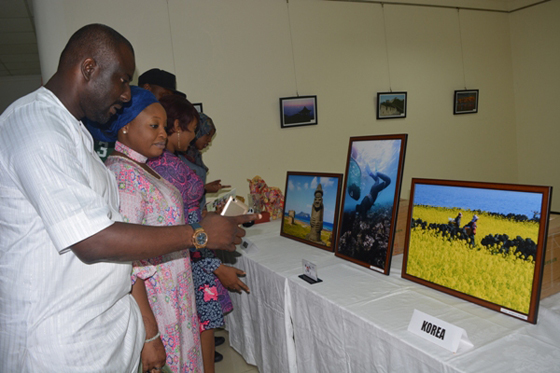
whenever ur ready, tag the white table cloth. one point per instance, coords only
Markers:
(356, 319)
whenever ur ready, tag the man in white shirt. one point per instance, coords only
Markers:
(64, 254)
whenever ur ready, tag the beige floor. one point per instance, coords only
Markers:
(233, 362)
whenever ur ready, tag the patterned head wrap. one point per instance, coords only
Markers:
(205, 126)
(140, 99)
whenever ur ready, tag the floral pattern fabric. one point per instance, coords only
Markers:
(148, 200)
(212, 299)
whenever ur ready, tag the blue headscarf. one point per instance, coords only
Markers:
(140, 99)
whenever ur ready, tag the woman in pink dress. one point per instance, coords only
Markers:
(163, 286)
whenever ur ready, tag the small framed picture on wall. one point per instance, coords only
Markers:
(391, 105)
(298, 111)
(465, 102)
(198, 107)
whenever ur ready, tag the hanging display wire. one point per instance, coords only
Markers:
(292, 45)
(386, 47)
(462, 53)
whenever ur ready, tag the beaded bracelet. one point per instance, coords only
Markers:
(153, 338)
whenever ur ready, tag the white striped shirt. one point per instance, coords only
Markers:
(57, 313)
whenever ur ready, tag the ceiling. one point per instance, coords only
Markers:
(18, 42)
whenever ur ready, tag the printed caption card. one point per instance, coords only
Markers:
(437, 331)
(248, 246)
(309, 272)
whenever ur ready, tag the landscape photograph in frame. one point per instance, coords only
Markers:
(482, 242)
(466, 101)
(391, 105)
(370, 200)
(298, 111)
(311, 204)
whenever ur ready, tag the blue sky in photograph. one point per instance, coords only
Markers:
(294, 106)
(489, 200)
(389, 97)
(301, 193)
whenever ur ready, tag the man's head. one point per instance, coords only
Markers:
(160, 83)
(100, 61)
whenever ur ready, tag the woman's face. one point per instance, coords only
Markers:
(181, 139)
(204, 141)
(146, 133)
(191, 132)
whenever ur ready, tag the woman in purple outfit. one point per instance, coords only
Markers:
(211, 278)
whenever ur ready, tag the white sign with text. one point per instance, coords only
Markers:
(442, 333)
(309, 269)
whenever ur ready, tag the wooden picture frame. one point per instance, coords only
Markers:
(498, 263)
(370, 200)
(465, 101)
(311, 204)
(298, 111)
(391, 105)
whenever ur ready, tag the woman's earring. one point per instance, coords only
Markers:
(179, 140)
(124, 132)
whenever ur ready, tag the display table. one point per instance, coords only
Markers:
(356, 319)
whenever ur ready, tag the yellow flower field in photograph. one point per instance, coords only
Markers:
(503, 279)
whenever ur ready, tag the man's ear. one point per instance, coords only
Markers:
(88, 68)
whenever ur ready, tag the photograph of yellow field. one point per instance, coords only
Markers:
(476, 241)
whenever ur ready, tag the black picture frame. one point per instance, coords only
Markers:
(370, 202)
(198, 107)
(298, 111)
(299, 198)
(391, 105)
(498, 264)
(465, 101)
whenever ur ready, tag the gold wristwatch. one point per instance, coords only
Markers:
(200, 238)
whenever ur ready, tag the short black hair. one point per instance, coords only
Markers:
(95, 40)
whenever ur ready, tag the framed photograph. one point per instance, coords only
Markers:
(371, 200)
(298, 111)
(466, 102)
(391, 105)
(198, 107)
(481, 242)
(311, 206)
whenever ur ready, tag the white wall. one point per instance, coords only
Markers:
(238, 57)
(13, 87)
(535, 39)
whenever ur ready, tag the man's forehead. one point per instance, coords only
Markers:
(125, 60)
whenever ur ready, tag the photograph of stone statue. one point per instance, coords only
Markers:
(391, 105)
(311, 208)
(370, 200)
(482, 242)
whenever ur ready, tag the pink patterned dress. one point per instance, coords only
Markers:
(148, 200)
(212, 299)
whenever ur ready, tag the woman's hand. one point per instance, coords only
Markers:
(229, 277)
(215, 186)
(153, 356)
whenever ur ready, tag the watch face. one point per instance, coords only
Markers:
(201, 238)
